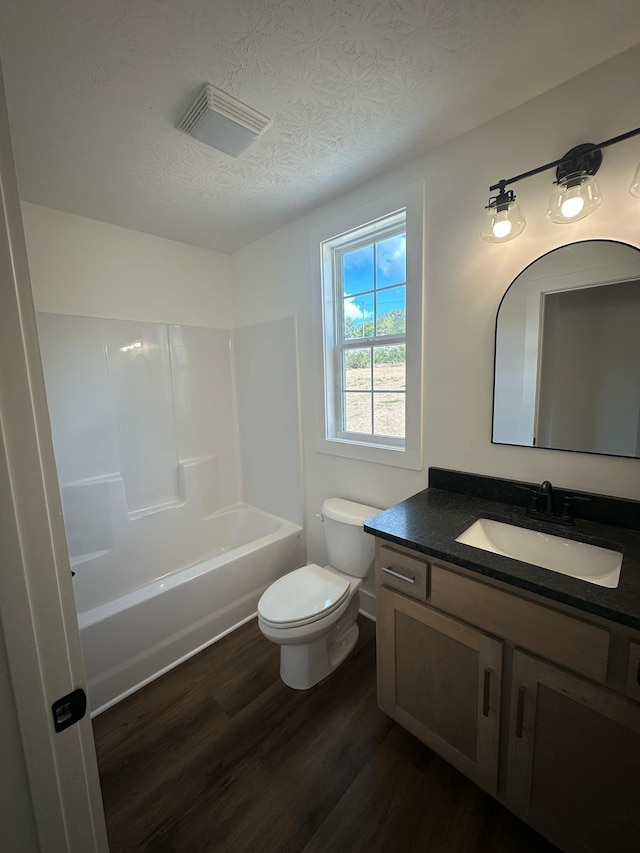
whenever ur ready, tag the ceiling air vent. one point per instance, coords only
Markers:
(223, 122)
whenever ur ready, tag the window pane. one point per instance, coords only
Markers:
(357, 412)
(358, 317)
(357, 270)
(388, 414)
(389, 368)
(357, 369)
(391, 261)
(391, 311)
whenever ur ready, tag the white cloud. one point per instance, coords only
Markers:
(352, 311)
(392, 261)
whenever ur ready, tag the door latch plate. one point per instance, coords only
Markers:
(69, 709)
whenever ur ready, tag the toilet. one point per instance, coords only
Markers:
(311, 612)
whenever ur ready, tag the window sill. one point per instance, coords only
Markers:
(395, 456)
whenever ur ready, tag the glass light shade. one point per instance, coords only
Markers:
(634, 189)
(502, 223)
(573, 198)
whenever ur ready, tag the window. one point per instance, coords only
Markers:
(367, 349)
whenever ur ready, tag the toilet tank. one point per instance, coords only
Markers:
(350, 549)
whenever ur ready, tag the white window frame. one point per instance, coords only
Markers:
(363, 229)
(333, 252)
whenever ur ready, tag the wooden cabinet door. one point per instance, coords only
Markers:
(441, 680)
(574, 759)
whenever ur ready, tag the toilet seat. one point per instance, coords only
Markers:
(302, 597)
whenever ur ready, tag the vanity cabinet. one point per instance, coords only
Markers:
(441, 680)
(574, 758)
(536, 703)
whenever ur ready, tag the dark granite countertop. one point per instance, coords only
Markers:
(430, 521)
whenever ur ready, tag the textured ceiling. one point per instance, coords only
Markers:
(96, 87)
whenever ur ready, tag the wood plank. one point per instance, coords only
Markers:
(409, 799)
(218, 755)
(570, 642)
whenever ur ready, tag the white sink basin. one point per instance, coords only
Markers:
(565, 556)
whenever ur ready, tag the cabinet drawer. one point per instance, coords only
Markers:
(555, 636)
(402, 572)
(633, 672)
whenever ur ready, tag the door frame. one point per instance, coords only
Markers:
(37, 609)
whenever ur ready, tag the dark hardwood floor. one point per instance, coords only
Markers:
(218, 755)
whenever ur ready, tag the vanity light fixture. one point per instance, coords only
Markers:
(504, 219)
(576, 193)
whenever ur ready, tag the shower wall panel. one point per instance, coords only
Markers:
(145, 437)
(266, 368)
(139, 364)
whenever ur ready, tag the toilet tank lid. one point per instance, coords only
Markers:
(348, 512)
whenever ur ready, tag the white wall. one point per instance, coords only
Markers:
(266, 379)
(81, 266)
(465, 280)
(275, 277)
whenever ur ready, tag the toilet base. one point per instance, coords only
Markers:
(303, 666)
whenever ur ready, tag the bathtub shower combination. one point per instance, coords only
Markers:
(166, 557)
(141, 634)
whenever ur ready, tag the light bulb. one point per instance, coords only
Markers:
(504, 219)
(574, 197)
(571, 207)
(501, 227)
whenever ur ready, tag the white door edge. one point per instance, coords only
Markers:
(37, 609)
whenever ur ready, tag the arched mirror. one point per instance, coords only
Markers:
(567, 363)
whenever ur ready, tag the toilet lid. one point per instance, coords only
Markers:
(303, 595)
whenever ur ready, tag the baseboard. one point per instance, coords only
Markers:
(172, 665)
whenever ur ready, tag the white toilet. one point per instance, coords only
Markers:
(311, 612)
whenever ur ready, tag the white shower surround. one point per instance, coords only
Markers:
(145, 436)
(137, 637)
(166, 556)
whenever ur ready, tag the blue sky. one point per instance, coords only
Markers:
(358, 276)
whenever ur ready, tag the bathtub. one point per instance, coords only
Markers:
(138, 636)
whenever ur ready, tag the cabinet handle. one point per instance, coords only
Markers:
(400, 577)
(522, 695)
(638, 674)
(486, 694)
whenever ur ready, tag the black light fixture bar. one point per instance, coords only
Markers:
(587, 149)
